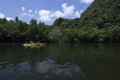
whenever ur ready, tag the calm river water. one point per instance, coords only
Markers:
(60, 62)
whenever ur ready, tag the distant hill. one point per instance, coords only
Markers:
(100, 22)
(101, 13)
(65, 23)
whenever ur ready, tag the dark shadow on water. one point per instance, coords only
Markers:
(86, 61)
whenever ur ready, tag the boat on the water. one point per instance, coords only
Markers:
(34, 45)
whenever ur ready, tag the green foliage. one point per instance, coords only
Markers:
(114, 33)
(88, 34)
(101, 14)
(19, 31)
(66, 23)
(99, 23)
(69, 35)
(55, 34)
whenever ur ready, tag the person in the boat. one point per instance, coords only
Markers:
(31, 42)
(39, 42)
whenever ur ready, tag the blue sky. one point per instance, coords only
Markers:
(42, 10)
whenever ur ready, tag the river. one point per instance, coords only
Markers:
(85, 61)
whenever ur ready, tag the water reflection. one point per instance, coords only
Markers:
(51, 67)
(47, 69)
(60, 62)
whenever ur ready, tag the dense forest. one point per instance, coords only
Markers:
(100, 22)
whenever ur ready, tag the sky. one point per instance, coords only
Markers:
(42, 10)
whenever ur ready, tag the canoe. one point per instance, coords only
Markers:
(34, 45)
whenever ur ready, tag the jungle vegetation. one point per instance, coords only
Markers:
(100, 22)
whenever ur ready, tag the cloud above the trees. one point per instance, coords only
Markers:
(2, 15)
(48, 16)
(86, 1)
(66, 12)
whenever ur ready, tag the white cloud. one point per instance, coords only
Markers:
(67, 12)
(2, 15)
(9, 18)
(86, 1)
(56, 14)
(77, 13)
(27, 13)
(36, 12)
(23, 8)
(23, 14)
(48, 16)
(30, 11)
(44, 15)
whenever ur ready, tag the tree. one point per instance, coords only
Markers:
(16, 20)
(55, 34)
(33, 22)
